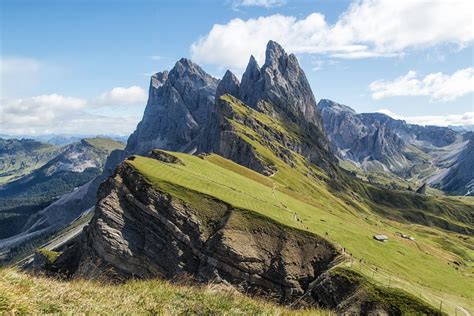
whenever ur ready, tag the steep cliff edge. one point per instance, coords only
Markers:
(156, 217)
(144, 231)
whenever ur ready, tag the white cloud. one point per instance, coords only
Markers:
(54, 113)
(259, 3)
(438, 120)
(43, 109)
(368, 28)
(437, 86)
(133, 95)
(156, 57)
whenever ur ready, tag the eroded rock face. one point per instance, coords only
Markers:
(177, 110)
(138, 231)
(280, 81)
(228, 85)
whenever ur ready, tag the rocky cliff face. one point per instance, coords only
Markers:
(281, 82)
(140, 231)
(177, 110)
(279, 90)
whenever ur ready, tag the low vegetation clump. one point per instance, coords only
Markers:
(49, 255)
(26, 294)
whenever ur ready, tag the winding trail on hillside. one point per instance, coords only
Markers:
(462, 309)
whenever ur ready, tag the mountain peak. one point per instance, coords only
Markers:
(334, 106)
(274, 53)
(252, 65)
(249, 87)
(159, 79)
(229, 84)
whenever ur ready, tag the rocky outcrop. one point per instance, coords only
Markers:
(177, 110)
(351, 294)
(223, 138)
(140, 231)
(281, 82)
(228, 85)
(422, 189)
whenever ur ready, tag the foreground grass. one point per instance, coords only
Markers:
(26, 294)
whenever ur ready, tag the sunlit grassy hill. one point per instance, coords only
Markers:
(435, 266)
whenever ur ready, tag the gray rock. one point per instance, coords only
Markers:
(422, 189)
(228, 85)
(282, 82)
(460, 176)
(177, 110)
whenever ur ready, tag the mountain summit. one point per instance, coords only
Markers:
(280, 81)
(177, 109)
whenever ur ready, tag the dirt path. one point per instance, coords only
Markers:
(462, 309)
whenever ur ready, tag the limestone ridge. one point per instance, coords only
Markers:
(280, 90)
(460, 177)
(280, 81)
(177, 110)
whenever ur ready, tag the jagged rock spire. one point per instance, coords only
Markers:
(229, 84)
(159, 79)
(177, 110)
(251, 85)
(280, 81)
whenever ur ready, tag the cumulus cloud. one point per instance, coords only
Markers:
(54, 113)
(259, 3)
(368, 28)
(438, 120)
(437, 86)
(40, 109)
(133, 95)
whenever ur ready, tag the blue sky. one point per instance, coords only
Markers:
(78, 66)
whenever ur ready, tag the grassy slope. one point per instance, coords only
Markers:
(104, 144)
(26, 294)
(424, 267)
(420, 267)
(21, 157)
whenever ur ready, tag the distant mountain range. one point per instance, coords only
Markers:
(62, 139)
(43, 173)
(439, 156)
